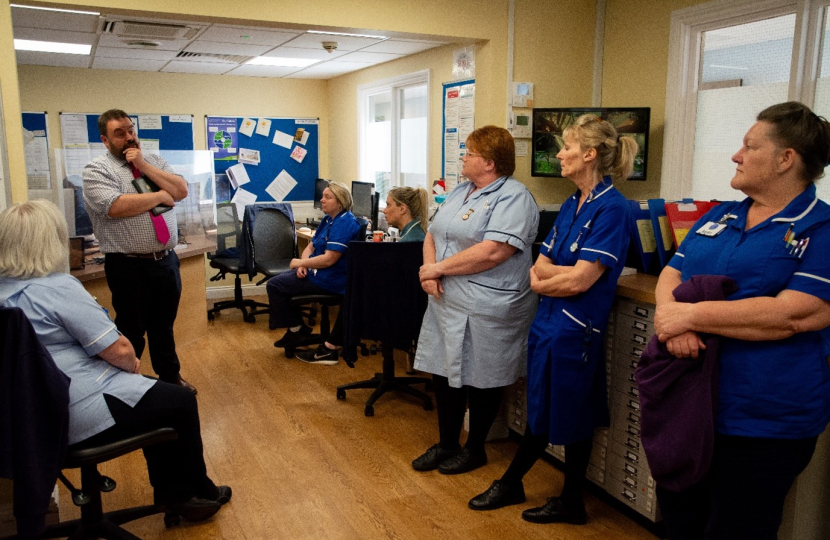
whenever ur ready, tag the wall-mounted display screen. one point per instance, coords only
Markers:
(548, 125)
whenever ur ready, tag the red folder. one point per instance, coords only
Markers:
(683, 215)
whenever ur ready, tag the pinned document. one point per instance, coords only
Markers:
(281, 186)
(246, 155)
(298, 154)
(237, 175)
(283, 139)
(241, 199)
(247, 127)
(263, 127)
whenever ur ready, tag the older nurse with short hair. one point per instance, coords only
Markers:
(477, 261)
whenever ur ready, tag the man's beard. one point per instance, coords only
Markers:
(124, 148)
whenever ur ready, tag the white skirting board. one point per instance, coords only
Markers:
(226, 293)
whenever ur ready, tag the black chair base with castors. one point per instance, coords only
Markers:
(94, 523)
(386, 382)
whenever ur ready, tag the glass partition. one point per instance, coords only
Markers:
(195, 214)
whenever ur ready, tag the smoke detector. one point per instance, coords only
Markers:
(330, 46)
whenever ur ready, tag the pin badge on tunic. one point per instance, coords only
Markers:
(466, 216)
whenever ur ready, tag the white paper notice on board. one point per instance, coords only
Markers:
(150, 146)
(241, 199)
(281, 186)
(304, 138)
(263, 127)
(148, 121)
(249, 156)
(247, 127)
(283, 139)
(238, 175)
(181, 118)
(521, 148)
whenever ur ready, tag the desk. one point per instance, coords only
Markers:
(302, 241)
(191, 322)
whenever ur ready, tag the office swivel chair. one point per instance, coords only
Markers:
(384, 302)
(226, 260)
(324, 300)
(30, 374)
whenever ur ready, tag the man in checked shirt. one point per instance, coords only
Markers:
(141, 266)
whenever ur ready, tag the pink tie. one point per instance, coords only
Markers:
(162, 233)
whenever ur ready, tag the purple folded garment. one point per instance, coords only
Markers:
(678, 397)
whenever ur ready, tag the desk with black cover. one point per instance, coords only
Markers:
(384, 302)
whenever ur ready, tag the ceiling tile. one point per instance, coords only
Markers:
(371, 58)
(315, 54)
(262, 71)
(214, 47)
(53, 59)
(59, 36)
(344, 43)
(324, 70)
(246, 35)
(54, 20)
(179, 66)
(111, 40)
(400, 47)
(134, 52)
(128, 64)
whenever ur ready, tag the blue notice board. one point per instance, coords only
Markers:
(225, 140)
(175, 133)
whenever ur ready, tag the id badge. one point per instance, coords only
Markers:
(711, 229)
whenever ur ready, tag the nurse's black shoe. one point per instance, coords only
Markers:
(499, 495)
(291, 339)
(555, 511)
(464, 461)
(432, 458)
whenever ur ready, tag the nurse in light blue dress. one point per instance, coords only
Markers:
(576, 275)
(477, 259)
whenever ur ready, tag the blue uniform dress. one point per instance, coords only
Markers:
(771, 389)
(476, 333)
(333, 234)
(566, 363)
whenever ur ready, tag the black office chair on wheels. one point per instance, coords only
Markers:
(227, 260)
(384, 302)
(34, 423)
(308, 303)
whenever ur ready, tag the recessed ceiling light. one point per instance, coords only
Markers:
(280, 62)
(345, 34)
(56, 9)
(51, 46)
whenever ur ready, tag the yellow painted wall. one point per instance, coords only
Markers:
(635, 68)
(554, 49)
(11, 108)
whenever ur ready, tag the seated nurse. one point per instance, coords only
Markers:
(406, 210)
(108, 399)
(321, 269)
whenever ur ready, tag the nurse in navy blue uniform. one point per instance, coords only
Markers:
(774, 385)
(321, 268)
(576, 275)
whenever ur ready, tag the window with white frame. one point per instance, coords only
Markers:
(727, 62)
(393, 119)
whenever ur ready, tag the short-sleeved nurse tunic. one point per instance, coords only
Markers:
(772, 389)
(566, 362)
(476, 333)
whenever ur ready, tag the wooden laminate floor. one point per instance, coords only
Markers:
(304, 465)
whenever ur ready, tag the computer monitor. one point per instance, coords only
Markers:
(364, 201)
(319, 186)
